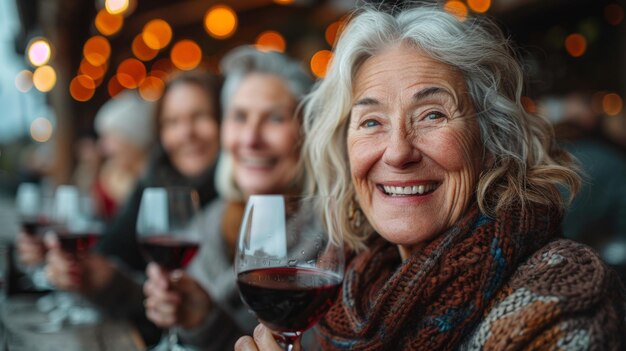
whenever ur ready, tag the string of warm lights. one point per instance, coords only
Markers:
(220, 22)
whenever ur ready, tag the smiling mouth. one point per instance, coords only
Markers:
(411, 190)
(264, 162)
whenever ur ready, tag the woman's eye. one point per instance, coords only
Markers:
(434, 115)
(276, 118)
(370, 123)
(169, 121)
(239, 116)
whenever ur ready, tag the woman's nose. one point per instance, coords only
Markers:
(401, 151)
(251, 134)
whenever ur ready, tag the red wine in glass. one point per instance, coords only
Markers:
(169, 252)
(288, 300)
(77, 242)
(35, 225)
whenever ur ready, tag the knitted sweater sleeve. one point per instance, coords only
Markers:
(563, 298)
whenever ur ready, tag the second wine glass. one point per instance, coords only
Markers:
(289, 262)
(166, 237)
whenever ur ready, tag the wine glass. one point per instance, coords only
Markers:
(34, 211)
(167, 238)
(77, 233)
(289, 262)
(30, 208)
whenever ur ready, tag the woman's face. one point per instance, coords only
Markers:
(413, 145)
(189, 132)
(261, 134)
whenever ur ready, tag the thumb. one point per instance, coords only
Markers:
(51, 240)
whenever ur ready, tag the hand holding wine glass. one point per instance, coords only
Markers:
(175, 299)
(289, 262)
(33, 218)
(166, 238)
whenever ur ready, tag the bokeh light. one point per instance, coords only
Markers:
(44, 78)
(151, 88)
(612, 104)
(107, 23)
(41, 129)
(333, 31)
(320, 61)
(157, 34)
(39, 52)
(456, 8)
(114, 87)
(116, 6)
(270, 41)
(284, 2)
(82, 88)
(479, 6)
(576, 45)
(24, 81)
(131, 73)
(186, 55)
(141, 50)
(94, 72)
(97, 50)
(220, 21)
(614, 14)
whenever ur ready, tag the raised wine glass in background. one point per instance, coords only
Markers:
(166, 237)
(34, 211)
(31, 208)
(77, 232)
(289, 262)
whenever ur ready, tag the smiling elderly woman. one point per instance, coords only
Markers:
(451, 191)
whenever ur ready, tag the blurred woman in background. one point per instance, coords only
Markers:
(261, 138)
(125, 127)
(187, 119)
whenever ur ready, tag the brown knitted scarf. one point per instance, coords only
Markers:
(438, 295)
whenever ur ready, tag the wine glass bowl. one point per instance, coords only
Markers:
(289, 262)
(31, 209)
(166, 236)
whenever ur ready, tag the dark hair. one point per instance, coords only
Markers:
(206, 81)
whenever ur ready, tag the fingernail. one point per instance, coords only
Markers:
(258, 331)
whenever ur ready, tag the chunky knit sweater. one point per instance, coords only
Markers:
(503, 284)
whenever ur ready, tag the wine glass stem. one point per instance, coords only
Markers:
(172, 336)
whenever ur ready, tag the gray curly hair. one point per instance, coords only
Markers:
(525, 165)
(236, 66)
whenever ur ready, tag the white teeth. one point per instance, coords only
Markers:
(420, 189)
(409, 190)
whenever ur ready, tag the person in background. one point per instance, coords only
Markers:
(261, 135)
(187, 123)
(125, 125)
(451, 197)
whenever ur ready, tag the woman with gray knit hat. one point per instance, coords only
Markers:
(261, 135)
(125, 126)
